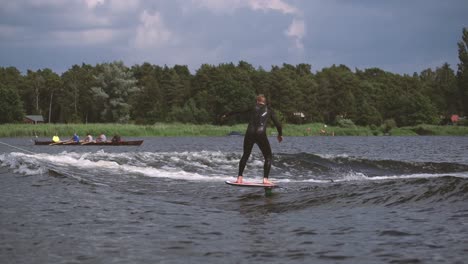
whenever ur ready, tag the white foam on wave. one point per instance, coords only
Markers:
(171, 173)
(420, 176)
(18, 166)
(333, 156)
(299, 181)
(37, 163)
(25, 170)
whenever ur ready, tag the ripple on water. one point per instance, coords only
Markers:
(395, 233)
(331, 255)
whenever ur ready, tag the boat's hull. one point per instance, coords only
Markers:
(108, 143)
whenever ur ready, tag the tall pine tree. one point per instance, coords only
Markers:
(462, 73)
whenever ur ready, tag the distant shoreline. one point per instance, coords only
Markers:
(178, 129)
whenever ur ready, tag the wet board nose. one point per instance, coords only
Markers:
(252, 184)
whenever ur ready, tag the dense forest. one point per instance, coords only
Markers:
(146, 93)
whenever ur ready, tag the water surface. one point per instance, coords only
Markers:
(343, 200)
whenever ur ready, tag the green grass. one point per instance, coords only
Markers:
(315, 129)
(435, 130)
(178, 129)
(159, 129)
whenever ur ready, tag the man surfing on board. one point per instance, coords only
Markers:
(256, 134)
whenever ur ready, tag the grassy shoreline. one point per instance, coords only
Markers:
(177, 129)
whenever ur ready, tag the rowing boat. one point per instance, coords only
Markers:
(107, 143)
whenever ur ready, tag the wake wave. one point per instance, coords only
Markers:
(220, 166)
(310, 180)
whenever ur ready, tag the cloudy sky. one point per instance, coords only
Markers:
(401, 36)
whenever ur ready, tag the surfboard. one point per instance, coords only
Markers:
(252, 184)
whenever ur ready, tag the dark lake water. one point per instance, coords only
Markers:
(342, 200)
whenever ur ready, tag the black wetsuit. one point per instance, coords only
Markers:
(256, 134)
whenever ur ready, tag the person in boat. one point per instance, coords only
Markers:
(55, 138)
(256, 134)
(101, 138)
(116, 139)
(75, 138)
(88, 138)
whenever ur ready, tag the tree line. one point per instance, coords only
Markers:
(147, 93)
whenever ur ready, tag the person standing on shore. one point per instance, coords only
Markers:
(256, 134)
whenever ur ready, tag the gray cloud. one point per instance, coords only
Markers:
(399, 36)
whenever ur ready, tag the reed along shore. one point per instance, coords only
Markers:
(179, 130)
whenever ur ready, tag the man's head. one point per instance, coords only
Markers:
(261, 99)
